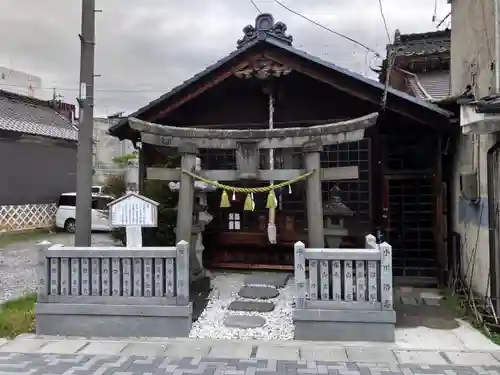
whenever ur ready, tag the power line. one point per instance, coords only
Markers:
(327, 28)
(443, 20)
(255, 6)
(381, 8)
(76, 89)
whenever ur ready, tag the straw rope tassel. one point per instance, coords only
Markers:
(249, 203)
(224, 200)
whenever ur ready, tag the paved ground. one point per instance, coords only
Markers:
(45, 364)
(370, 353)
(18, 263)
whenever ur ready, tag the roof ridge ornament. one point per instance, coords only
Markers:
(265, 27)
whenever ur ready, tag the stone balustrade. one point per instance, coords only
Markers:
(110, 291)
(347, 294)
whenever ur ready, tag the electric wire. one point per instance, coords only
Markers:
(255, 6)
(326, 28)
(151, 90)
(381, 9)
(76, 89)
(443, 20)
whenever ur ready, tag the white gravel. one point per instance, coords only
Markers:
(18, 264)
(210, 325)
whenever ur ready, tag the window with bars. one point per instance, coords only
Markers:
(218, 159)
(355, 194)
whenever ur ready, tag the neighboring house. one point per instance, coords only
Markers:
(106, 149)
(475, 72)
(37, 161)
(19, 82)
(422, 64)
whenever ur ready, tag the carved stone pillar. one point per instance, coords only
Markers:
(314, 203)
(185, 207)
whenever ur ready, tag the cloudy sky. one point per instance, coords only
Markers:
(146, 47)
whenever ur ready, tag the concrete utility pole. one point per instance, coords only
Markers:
(85, 133)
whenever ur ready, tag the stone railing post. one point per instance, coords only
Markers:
(42, 269)
(300, 274)
(314, 202)
(370, 241)
(386, 276)
(182, 271)
(185, 207)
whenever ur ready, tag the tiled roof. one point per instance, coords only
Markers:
(423, 44)
(430, 85)
(367, 81)
(23, 114)
(488, 104)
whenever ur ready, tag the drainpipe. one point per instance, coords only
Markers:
(493, 223)
(497, 46)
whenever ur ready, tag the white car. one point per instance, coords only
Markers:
(97, 189)
(66, 212)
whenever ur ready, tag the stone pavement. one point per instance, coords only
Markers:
(60, 364)
(36, 354)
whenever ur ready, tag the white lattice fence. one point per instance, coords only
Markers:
(27, 216)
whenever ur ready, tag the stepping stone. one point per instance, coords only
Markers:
(258, 292)
(278, 280)
(260, 307)
(432, 301)
(431, 298)
(409, 301)
(244, 321)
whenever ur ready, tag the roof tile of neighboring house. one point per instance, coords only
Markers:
(23, 114)
(426, 80)
(430, 85)
(423, 44)
(488, 104)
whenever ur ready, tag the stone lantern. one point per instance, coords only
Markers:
(201, 217)
(334, 213)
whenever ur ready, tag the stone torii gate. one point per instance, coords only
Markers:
(247, 144)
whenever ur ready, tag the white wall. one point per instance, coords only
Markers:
(106, 148)
(472, 53)
(20, 82)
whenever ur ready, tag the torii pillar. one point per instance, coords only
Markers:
(314, 202)
(185, 207)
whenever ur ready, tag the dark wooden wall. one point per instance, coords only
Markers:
(35, 171)
(299, 100)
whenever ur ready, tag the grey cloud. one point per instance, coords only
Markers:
(146, 47)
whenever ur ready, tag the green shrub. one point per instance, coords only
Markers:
(115, 185)
(164, 234)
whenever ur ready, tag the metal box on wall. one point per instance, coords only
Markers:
(468, 185)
